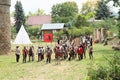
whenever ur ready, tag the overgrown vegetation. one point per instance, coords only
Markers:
(75, 32)
(118, 26)
(110, 24)
(108, 72)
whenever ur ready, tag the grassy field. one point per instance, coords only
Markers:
(67, 70)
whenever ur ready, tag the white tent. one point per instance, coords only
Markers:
(22, 37)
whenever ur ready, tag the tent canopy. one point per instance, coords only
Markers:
(22, 37)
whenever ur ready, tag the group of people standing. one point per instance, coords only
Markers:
(31, 53)
(61, 51)
(25, 52)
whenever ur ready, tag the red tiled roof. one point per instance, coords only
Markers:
(39, 20)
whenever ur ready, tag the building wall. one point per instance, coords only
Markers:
(47, 32)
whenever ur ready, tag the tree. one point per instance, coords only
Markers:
(40, 12)
(69, 9)
(30, 14)
(116, 2)
(56, 10)
(88, 8)
(37, 13)
(80, 21)
(102, 11)
(19, 16)
(64, 12)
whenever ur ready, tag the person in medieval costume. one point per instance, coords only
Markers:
(91, 52)
(48, 54)
(57, 54)
(42, 55)
(72, 53)
(80, 52)
(24, 53)
(91, 40)
(31, 53)
(17, 53)
(39, 52)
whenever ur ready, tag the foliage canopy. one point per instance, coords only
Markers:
(64, 12)
(102, 11)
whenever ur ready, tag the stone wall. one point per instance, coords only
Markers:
(5, 32)
(100, 34)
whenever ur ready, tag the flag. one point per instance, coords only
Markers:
(48, 37)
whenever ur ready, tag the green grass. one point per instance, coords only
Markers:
(67, 70)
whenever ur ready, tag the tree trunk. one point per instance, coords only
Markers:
(5, 32)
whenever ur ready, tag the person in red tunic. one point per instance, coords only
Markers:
(80, 52)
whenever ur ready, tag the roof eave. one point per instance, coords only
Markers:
(51, 29)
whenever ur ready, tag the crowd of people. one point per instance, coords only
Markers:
(61, 51)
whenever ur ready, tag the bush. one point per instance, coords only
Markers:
(118, 25)
(34, 32)
(59, 34)
(114, 71)
(75, 32)
(80, 32)
(99, 74)
(108, 73)
(109, 24)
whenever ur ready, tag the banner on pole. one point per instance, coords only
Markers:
(48, 37)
